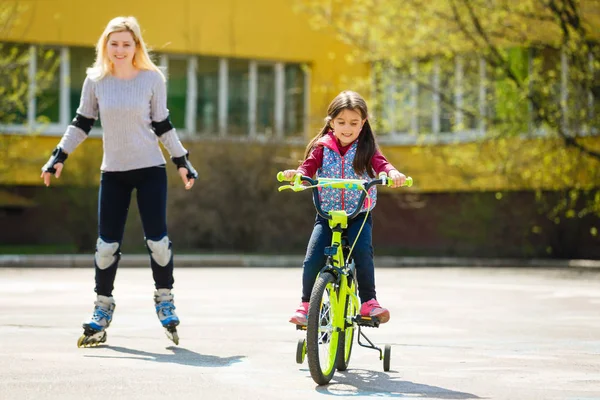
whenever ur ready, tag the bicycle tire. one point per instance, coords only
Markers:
(315, 335)
(346, 340)
(300, 351)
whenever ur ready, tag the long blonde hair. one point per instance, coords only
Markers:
(141, 59)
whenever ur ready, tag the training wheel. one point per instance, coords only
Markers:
(300, 351)
(387, 354)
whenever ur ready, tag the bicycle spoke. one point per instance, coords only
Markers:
(325, 330)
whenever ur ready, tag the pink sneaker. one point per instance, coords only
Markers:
(372, 309)
(300, 315)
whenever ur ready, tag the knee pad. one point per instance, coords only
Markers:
(160, 250)
(106, 253)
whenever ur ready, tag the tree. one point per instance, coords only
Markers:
(18, 89)
(522, 77)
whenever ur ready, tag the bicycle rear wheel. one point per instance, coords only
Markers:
(346, 339)
(321, 340)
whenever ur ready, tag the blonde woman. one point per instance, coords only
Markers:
(128, 90)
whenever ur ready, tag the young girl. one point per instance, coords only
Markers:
(128, 90)
(345, 148)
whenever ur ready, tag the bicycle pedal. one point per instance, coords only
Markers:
(369, 322)
(300, 327)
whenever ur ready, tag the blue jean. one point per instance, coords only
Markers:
(113, 206)
(362, 254)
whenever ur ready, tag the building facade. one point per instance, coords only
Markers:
(248, 73)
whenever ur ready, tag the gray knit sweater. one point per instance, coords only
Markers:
(127, 108)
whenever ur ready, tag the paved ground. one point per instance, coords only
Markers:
(455, 334)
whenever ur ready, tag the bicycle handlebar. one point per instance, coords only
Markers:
(356, 184)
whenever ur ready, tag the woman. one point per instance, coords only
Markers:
(128, 90)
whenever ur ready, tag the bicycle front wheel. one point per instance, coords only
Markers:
(321, 338)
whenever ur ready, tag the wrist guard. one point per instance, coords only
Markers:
(58, 156)
(183, 162)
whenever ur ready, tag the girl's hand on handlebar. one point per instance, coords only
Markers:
(289, 174)
(397, 177)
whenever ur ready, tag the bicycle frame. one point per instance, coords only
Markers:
(336, 264)
(338, 221)
(338, 276)
(345, 281)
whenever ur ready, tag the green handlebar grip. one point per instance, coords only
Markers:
(407, 183)
(280, 176)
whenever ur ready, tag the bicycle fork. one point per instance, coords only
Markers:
(346, 284)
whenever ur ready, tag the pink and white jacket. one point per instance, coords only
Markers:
(329, 160)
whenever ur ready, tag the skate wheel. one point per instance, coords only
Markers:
(172, 335)
(92, 340)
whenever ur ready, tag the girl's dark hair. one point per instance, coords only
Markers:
(349, 100)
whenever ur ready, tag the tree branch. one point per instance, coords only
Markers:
(500, 61)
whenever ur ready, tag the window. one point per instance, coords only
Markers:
(30, 84)
(47, 83)
(294, 100)
(393, 100)
(265, 102)
(14, 83)
(488, 84)
(237, 98)
(401, 100)
(506, 108)
(580, 82)
(425, 98)
(446, 92)
(207, 117)
(81, 58)
(546, 84)
(177, 91)
(470, 92)
(380, 116)
(209, 95)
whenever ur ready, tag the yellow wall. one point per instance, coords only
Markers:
(447, 168)
(265, 28)
(509, 164)
(254, 29)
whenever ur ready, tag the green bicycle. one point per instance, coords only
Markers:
(333, 311)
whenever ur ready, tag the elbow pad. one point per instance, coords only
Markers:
(162, 127)
(183, 162)
(83, 123)
(58, 156)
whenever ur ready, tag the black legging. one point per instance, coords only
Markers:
(113, 205)
(362, 255)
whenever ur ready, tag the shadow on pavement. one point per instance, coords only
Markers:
(358, 382)
(180, 356)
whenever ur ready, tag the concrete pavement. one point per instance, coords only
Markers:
(456, 333)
